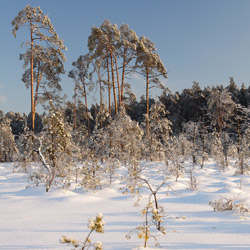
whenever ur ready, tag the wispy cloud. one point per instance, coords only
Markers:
(3, 98)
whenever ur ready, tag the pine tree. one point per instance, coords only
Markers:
(127, 50)
(159, 132)
(8, 149)
(57, 147)
(221, 107)
(102, 43)
(151, 67)
(125, 137)
(44, 54)
(79, 74)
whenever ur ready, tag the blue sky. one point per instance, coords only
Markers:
(198, 40)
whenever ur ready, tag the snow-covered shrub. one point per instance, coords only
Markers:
(157, 141)
(152, 213)
(193, 180)
(217, 150)
(229, 204)
(152, 217)
(177, 153)
(8, 149)
(56, 148)
(124, 137)
(95, 225)
(27, 144)
(91, 173)
(222, 204)
(110, 167)
(242, 163)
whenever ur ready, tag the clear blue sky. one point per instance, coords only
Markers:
(198, 40)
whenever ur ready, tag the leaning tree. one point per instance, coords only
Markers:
(44, 54)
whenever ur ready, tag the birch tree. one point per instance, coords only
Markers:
(44, 54)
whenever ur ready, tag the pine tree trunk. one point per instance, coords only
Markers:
(118, 82)
(109, 89)
(113, 81)
(123, 74)
(100, 86)
(86, 107)
(147, 101)
(75, 108)
(32, 79)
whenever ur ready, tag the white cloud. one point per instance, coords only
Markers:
(3, 98)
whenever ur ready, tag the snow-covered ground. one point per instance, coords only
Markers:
(30, 218)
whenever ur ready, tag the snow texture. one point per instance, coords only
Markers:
(30, 218)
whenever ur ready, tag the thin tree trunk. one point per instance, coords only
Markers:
(100, 85)
(113, 81)
(123, 74)
(118, 82)
(109, 91)
(193, 156)
(75, 108)
(203, 141)
(86, 107)
(146, 228)
(32, 79)
(147, 101)
(225, 149)
(239, 137)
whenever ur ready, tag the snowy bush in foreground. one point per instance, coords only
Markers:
(95, 224)
(152, 217)
(152, 213)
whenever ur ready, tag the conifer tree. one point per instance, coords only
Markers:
(159, 132)
(127, 45)
(221, 107)
(44, 53)
(151, 67)
(8, 149)
(79, 74)
(102, 42)
(125, 137)
(57, 147)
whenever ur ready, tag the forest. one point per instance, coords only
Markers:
(74, 143)
(196, 123)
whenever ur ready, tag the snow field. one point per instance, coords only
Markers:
(30, 218)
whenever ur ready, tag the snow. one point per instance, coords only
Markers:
(30, 218)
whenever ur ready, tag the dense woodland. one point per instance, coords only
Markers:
(196, 124)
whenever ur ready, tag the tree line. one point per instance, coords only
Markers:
(196, 123)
